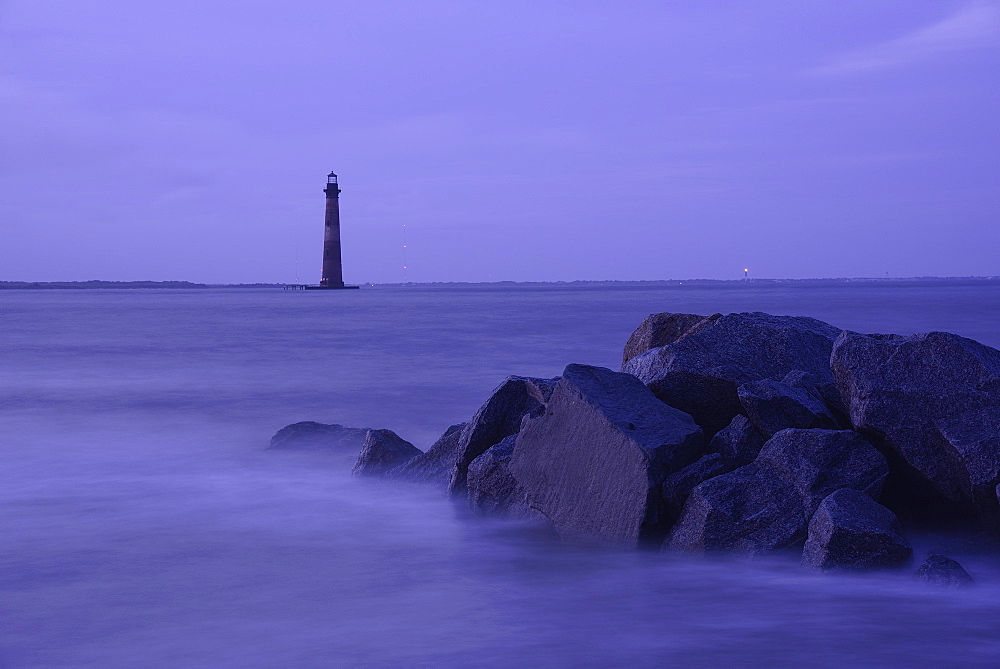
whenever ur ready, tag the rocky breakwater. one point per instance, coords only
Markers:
(741, 433)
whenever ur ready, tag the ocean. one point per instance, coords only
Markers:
(144, 524)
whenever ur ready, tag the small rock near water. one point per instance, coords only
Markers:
(941, 570)
(309, 435)
(436, 464)
(851, 531)
(382, 451)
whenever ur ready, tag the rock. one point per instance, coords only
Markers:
(308, 435)
(932, 400)
(739, 441)
(700, 372)
(662, 329)
(941, 570)
(493, 490)
(678, 486)
(767, 504)
(383, 450)
(499, 417)
(436, 464)
(594, 462)
(851, 531)
(773, 406)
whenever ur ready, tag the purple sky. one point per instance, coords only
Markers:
(516, 140)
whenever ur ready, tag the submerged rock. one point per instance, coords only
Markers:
(767, 504)
(934, 401)
(941, 570)
(500, 416)
(595, 461)
(852, 531)
(436, 464)
(700, 371)
(382, 451)
(309, 435)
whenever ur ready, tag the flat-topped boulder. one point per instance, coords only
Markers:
(851, 531)
(700, 371)
(934, 401)
(594, 462)
(312, 436)
(500, 416)
(383, 450)
(767, 504)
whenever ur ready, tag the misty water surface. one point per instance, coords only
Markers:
(143, 524)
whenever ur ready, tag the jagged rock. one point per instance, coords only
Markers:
(383, 450)
(436, 464)
(499, 417)
(739, 441)
(932, 400)
(852, 531)
(595, 461)
(767, 504)
(941, 570)
(493, 490)
(309, 435)
(700, 372)
(773, 406)
(662, 329)
(678, 486)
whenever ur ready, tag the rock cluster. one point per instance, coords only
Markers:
(740, 433)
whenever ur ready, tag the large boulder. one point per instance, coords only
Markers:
(942, 570)
(311, 436)
(700, 372)
(500, 416)
(851, 531)
(594, 462)
(382, 451)
(662, 329)
(932, 400)
(436, 464)
(493, 490)
(773, 406)
(739, 441)
(767, 504)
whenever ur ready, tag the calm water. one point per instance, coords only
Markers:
(143, 525)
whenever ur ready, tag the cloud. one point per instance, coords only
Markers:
(975, 25)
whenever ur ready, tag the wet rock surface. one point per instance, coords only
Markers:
(436, 464)
(382, 451)
(594, 462)
(309, 435)
(493, 490)
(851, 531)
(933, 400)
(767, 504)
(700, 372)
(942, 570)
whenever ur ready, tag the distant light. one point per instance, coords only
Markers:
(745, 270)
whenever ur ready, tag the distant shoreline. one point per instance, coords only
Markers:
(187, 285)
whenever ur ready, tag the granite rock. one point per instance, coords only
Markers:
(942, 570)
(382, 451)
(773, 406)
(851, 531)
(595, 461)
(312, 436)
(700, 372)
(739, 441)
(436, 464)
(662, 329)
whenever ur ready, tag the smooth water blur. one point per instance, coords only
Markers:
(143, 524)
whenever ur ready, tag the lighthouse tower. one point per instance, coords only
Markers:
(333, 272)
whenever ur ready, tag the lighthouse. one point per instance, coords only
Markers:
(333, 272)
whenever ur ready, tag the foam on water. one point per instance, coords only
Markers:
(143, 524)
